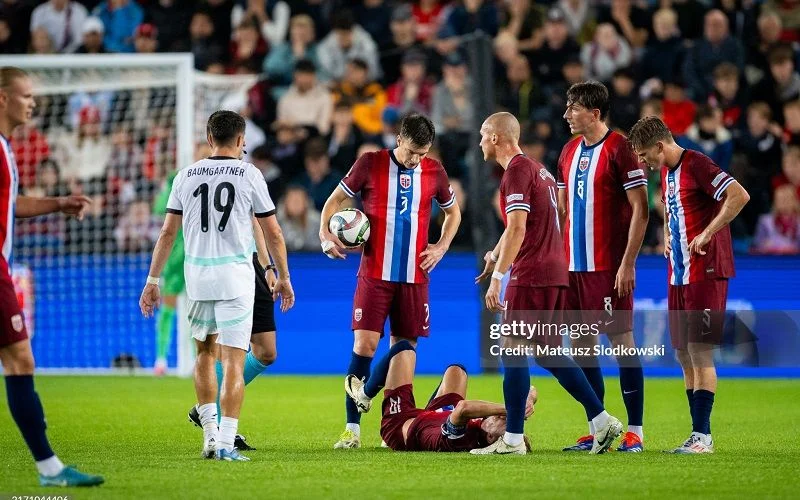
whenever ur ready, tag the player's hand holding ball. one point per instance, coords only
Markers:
(348, 228)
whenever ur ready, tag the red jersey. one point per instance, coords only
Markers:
(425, 434)
(8, 197)
(529, 187)
(691, 191)
(397, 202)
(598, 213)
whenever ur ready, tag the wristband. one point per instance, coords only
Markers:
(270, 267)
(153, 281)
(497, 275)
(494, 257)
(453, 431)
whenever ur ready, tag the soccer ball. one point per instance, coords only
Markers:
(351, 226)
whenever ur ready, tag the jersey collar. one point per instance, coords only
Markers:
(222, 158)
(673, 167)
(585, 147)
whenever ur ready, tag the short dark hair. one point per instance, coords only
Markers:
(359, 63)
(315, 148)
(418, 129)
(343, 20)
(305, 66)
(224, 126)
(780, 54)
(590, 95)
(648, 131)
(704, 111)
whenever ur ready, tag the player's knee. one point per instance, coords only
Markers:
(366, 345)
(267, 357)
(456, 369)
(622, 340)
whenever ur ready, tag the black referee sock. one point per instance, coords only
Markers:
(27, 411)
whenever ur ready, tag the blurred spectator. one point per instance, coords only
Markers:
(652, 107)
(403, 39)
(220, 12)
(556, 94)
(770, 26)
(606, 54)
(414, 91)
(663, 56)
(679, 111)
(124, 166)
(690, 17)
(390, 127)
(715, 47)
(85, 153)
(710, 137)
(728, 96)
(137, 229)
(41, 42)
(63, 21)
(318, 179)
(248, 48)
(271, 16)
(790, 13)
(171, 19)
(95, 233)
(654, 234)
(760, 158)
(522, 96)
(741, 17)
(280, 62)
(92, 37)
(524, 20)
(624, 101)
(454, 114)
(506, 49)
(630, 21)
(159, 150)
(15, 20)
(429, 15)
(778, 232)
(120, 18)
(791, 169)
(548, 61)
(344, 139)
(261, 157)
(307, 102)
(365, 97)
(346, 42)
(48, 181)
(466, 18)
(145, 39)
(30, 147)
(286, 152)
(299, 221)
(579, 17)
(782, 84)
(463, 238)
(375, 16)
(206, 49)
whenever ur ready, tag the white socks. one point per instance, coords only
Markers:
(227, 432)
(208, 419)
(600, 420)
(591, 427)
(512, 439)
(638, 430)
(354, 428)
(50, 467)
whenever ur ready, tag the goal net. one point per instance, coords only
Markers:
(113, 128)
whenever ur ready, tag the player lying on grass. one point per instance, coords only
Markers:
(449, 422)
(263, 350)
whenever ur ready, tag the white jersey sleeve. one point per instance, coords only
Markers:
(263, 206)
(174, 203)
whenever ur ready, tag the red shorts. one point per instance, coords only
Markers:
(593, 294)
(399, 407)
(13, 324)
(536, 305)
(405, 304)
(697, 312)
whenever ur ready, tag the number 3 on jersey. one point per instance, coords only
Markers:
(202, 191)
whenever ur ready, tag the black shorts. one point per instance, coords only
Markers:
(263, 306)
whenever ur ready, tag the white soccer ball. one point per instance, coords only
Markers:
(351, 226)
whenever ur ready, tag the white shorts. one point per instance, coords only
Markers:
(231, 319)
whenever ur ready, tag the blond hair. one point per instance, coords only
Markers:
(10, 73)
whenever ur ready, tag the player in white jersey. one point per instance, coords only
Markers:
(214, 200)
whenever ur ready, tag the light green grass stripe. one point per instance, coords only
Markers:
(217, 261)
(235, 321)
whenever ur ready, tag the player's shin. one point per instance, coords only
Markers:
(571, 378)
(631, 381)
(26, 410)
(516, 385)
(378, 377)
(359, 367)
(232, 395)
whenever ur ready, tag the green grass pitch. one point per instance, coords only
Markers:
(134, 431)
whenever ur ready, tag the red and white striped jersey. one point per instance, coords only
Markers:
(9, 181)
(397, 202)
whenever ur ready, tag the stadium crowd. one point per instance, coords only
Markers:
(335, 77)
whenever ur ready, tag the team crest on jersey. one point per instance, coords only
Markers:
(357, 314)
(16, 322)
(405, 181)
(583, 163)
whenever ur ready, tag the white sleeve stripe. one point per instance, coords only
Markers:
(561, 185)
(448, 204)
(723, 187)
(636, 183)
(349, 192)
(518, 206)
